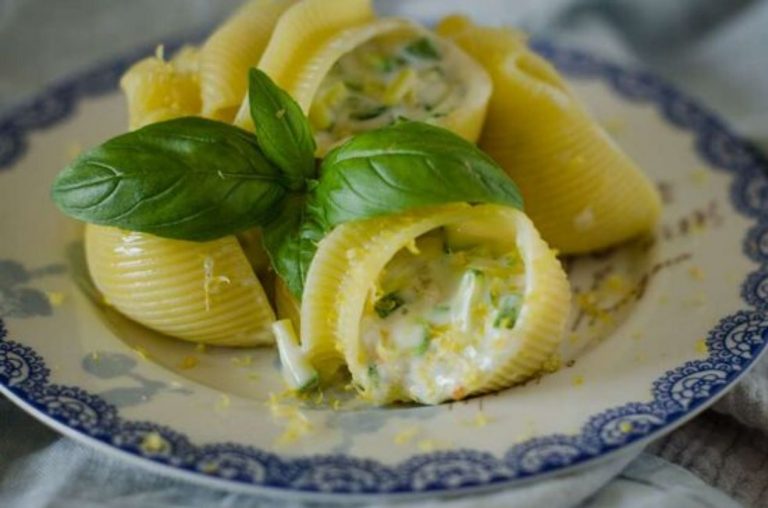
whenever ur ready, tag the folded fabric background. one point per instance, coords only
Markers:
(712, 49)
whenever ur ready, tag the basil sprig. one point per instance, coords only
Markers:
(291, 242)
(282, 130)
(198, 179)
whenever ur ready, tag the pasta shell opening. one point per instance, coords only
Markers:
(415, 320)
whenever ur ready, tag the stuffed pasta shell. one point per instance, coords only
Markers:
(352, 73)
(435, 304)
(582, 192)
(203, 292)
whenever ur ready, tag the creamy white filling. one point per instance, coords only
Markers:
(434, 322)
(385, 79)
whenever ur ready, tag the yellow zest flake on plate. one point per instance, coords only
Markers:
(701, 347)
(242, 361)
(697, 300)
(189, 362)
(696, 273)
(700, 176)
(480, 420)
(200, 347)
(55, 298)
(142, 352)
(427, 445)
(95, 356)
(74, 149)
(578, 380)
(405, 436)
(296, 424)
(616, 282)
(153, 442)
(626, 427)
(223, 403)
(589, 303)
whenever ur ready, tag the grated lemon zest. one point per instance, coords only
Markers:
(142, 353)
(153, 442)
(696, 273)
(55, 298)
(189, 362)
(405, 436)
(480, 420)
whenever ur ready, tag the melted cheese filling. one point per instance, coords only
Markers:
(431, 326)
(387, 78)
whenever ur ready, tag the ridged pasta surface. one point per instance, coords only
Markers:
(158, 90)
(301, 32)
(201, 292)
(582, 192)
(235, 47)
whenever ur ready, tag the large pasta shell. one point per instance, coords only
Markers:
(350, 259)
(303, 31)
(158, 90)
(582, 192)
(201, 292)
(298, 59)
(335, 262)
(230, 51)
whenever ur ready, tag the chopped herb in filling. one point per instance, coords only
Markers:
(380, 82)
(509, 310)
(387, 304)
(423, 48)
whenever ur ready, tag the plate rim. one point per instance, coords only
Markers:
(677, 396)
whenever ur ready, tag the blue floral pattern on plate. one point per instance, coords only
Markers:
(733, 345)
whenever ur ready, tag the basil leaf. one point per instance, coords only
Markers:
(282, 129)
(291, 242)
(403, 166)
(188, 178)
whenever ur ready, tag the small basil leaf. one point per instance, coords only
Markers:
(291, 242)
(282, 129)
(188, 178)
(403, 166)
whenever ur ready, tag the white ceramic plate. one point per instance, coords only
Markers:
(672, 322)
